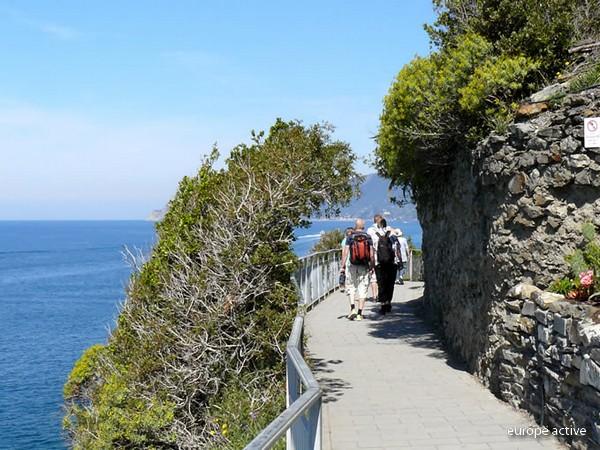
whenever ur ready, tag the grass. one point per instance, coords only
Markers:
(586, 80)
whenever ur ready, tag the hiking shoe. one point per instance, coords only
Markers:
(351, 316)
(382, 310)
(388, 307)
(359, 317)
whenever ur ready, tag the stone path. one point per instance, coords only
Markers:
(388, 384)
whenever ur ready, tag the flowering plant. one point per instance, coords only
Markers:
(584, 284)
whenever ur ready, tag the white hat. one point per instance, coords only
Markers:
(398, 232)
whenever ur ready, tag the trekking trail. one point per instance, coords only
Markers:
(388, 384)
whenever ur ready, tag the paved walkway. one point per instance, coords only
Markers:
(389, 385)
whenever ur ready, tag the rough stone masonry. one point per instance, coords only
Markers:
(510, 212)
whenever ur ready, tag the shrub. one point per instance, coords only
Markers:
(207, 317)
(329, 240)
(584, 266)
(586, 80)
(488, 55)
(441, 104)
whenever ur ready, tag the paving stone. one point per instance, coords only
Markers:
(388, 384)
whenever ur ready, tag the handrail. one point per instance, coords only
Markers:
(269, 436)
(301, 421)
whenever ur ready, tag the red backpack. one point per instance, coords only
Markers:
(360, 249)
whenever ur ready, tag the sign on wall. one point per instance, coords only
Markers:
(591, 132)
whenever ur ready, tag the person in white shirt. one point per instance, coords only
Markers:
(385, 250)
(403, 252)
(372, 231)
(358, 249)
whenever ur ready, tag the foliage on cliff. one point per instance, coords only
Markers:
(488, 54)
(197, 357)
(329, 240)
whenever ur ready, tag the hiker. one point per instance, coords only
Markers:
(359, 252)
(372, 230)
(342, 280)
(402, 257)
(385, 249)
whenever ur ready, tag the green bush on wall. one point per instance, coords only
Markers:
(488, 54)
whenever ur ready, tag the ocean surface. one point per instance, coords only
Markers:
(61, 283)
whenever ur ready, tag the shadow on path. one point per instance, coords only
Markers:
(333, 388)
(405, 323)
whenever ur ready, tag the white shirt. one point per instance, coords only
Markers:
(403, 243)
(374, 231)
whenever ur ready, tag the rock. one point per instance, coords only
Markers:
(590, 334)
(532, 109)
(542, 316)
(549, 92)
(520, 130)
(528, 308)
(561, 176)
(553, 133)
(554, 222)
(523, 291)
(578, 161)
(589, 373)
(496, 139)
(543, 334)
(545, 299)
(570, 145)
(595, 355)
(541, 200)
(533, 212)
(527, 224)
(537, 143)
(557, 210)
(583, 178)
(513, 306)
(517, 183)
(561, 325)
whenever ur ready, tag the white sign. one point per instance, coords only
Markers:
(591, 132)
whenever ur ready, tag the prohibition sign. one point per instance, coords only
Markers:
(591, 132)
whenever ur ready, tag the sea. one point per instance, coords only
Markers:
(61, 284)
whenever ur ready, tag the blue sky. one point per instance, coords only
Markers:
(105, 105)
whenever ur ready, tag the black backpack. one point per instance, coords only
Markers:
(385, 249)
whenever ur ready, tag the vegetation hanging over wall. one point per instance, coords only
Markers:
(197, 357)
(488, 54)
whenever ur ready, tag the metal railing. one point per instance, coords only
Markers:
(318, 276)
(415, 266)
(301, 421)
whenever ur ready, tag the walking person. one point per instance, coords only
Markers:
(402, 255)
(385, 246)
(372, 230)
(342, 280)
(358, 250)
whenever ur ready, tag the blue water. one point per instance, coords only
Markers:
(60, 287)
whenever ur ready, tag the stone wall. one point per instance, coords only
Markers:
(547, 351)
(508, 213)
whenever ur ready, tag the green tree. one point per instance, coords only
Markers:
(329, 240)
(204, 326)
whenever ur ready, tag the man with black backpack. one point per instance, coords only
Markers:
(385, 246)
(359, 250)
